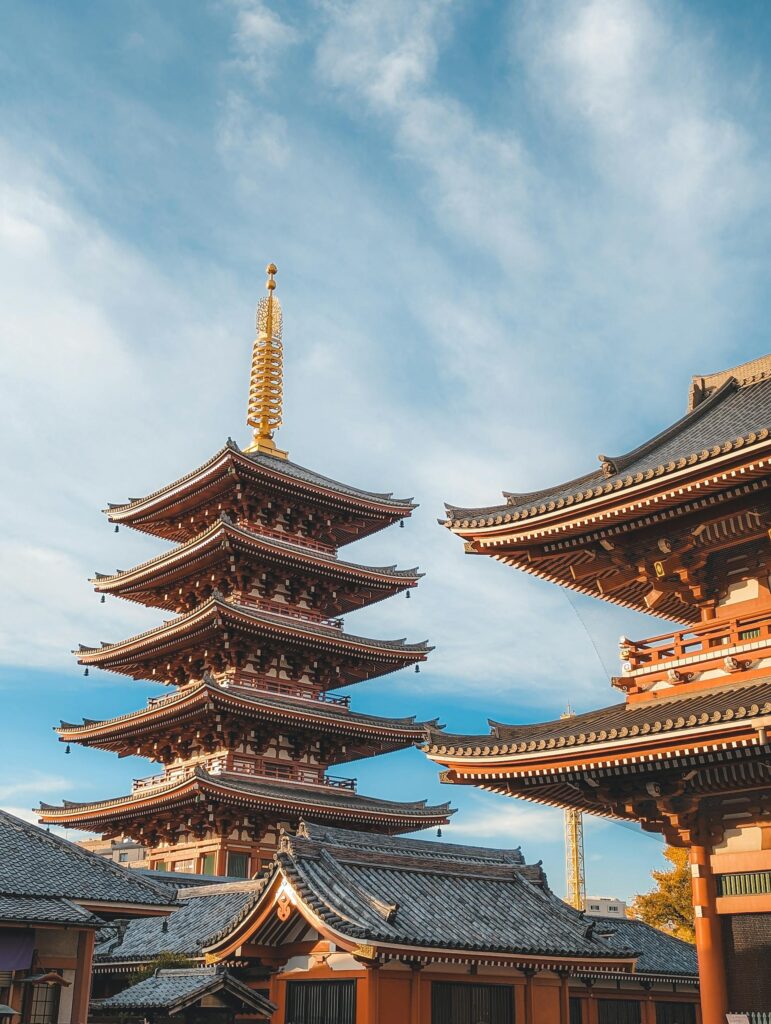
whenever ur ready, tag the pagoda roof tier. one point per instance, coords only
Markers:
(697, 733)
(261, 797)
(171, 511)
(710, 469)
(157, 581)
(195, 631)
(189, 704)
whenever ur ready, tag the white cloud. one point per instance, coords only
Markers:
(261, 37)
(511, 823)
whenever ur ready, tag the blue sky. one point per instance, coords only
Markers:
(507, 234)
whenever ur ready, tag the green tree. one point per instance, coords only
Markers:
(164, 960)
(669, 906)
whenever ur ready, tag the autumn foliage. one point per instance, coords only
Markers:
(669, 906)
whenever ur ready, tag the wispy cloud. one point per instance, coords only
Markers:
(261, 37)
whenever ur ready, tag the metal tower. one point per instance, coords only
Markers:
(574, 851)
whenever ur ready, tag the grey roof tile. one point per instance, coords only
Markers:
(36, 863)
(172, 989)
(204, 914)
(659, 953)
(44, 910)
(667, 713)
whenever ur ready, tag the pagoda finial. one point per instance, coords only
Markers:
(266, 382)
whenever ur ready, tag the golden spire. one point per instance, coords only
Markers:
(266, 383)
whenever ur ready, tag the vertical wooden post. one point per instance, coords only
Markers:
(709, 938)
(373, 994)
(82, 990)
(416, 982)
(564, 998)
(221, 861)
(529, 1007)
(592, 1013)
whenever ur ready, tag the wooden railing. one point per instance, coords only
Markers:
(258, 768)
(268, 684)
(710, 638)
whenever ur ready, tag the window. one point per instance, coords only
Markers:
(159, 865)
(618, 1011)
(238, 865)
(594, 906)
(187, 867)
(466, 1003)
(207, 866)
(576, 1013)
(612, 910)
(675, 1013)
(41, 1004)
(123, 857)
(320, 1002)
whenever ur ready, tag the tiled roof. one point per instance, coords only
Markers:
(328, 561)
(205, 913)
(174, 989)
(426, 898)
(36, 863)
(293, 798)
(659, 953)
(736, 414)
(217, 605)
(345, 839)
(44, 910)
(263, 703)
(726, 702)
(184, 879)
(286, 468)
(279, 467)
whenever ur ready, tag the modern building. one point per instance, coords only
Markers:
(679, 528)
(54, 898)
(355, 928)
(254, 656)
(120, 851)
(604, 906)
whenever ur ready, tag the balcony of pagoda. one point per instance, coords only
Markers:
(248, 767)
(733, 649)
(284, 688)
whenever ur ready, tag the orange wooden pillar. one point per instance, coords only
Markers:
(82, 990)
(415, 994)
(709, 939)
(592, 1012)
(529, 996)
(373, 994)
(564, 998)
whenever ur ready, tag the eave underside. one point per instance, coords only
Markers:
(238, 802)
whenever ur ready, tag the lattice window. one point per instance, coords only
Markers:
(618, 1011)
(321, 1002)
(675, 1013)
(466, 1003)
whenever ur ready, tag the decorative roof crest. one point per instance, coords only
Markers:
(266, 380)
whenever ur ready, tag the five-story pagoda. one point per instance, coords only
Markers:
(252, 654)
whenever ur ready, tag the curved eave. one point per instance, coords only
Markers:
(404, 818)
(324, 917)
(215, 612)
(181, 561)
(497, 762)
(133, 512)
(613, 501)
(117, 731)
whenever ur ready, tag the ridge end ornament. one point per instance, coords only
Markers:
(266, 385)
